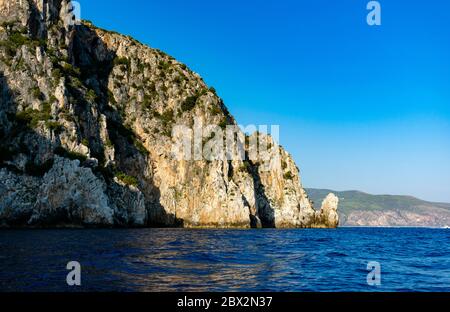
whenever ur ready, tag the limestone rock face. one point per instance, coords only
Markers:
(71, 194)
(128, 204)
(18, 194)
(87, 136)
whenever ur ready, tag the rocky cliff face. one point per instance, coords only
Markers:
(86, 136)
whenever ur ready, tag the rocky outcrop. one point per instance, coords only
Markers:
(87, 136)
(328, 215)
(71, 194)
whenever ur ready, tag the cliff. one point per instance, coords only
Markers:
(87, 120)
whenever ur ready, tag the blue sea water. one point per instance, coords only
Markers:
(226, 260)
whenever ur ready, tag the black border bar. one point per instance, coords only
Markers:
(171, 301)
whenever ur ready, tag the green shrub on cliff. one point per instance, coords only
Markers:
(127, 179)
(213, 90)
(189, 103)
(215, 110)
(111, 98)
(32, 117)
(56, 74)
(16, 39)
(91, 96)
(54, 126)
(288, 176)
(36, 92)
(245, 167)
(167, 117)
(140, 147)
(70, 71)
(122, 61)
(223, 123)
(62, 152)
(164, 66)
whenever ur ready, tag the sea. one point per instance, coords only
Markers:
(263, 260)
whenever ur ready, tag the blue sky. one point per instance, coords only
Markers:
(360, 107)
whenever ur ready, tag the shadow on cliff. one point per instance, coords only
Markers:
(6, 112)
(96, 63)
(264, 210)
(14, 136)
(263, 215)
(18, 140)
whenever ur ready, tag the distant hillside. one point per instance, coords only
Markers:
(362, 209)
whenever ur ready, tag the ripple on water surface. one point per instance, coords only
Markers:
(226, 260)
